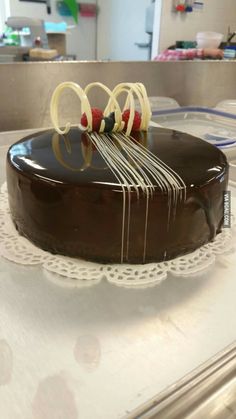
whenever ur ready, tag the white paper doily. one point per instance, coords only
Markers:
(76, 272)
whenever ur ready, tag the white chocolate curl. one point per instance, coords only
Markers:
(130, 89)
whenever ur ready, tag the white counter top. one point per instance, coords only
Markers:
(100, 352)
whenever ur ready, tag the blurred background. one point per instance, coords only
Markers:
(110, 29)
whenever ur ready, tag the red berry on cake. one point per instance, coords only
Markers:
(97, 116)
(136, 121)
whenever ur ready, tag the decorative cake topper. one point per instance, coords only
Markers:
(113, 119)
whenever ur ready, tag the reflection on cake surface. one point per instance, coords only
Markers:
(67, 198)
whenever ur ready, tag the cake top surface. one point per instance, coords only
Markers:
(73, 158)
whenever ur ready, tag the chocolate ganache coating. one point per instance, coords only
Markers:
(64, 197)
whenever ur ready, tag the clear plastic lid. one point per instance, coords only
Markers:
(159, 102)
(212, 125)
(228, 105)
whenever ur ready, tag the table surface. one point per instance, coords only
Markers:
(101, 351)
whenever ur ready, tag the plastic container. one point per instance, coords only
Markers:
(209, 39)
(212, 125)
(228, 105)
(158, 103)
(229, 53)
(231, 157)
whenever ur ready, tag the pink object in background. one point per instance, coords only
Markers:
(87, 10)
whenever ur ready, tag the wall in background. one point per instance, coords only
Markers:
(156, 28)
(80, 40)
(121, 23)
(216, 16)
(4, 11)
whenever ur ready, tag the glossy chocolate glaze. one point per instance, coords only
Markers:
(65, 199)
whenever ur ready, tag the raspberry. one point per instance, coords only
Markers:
(97, 116)
(136, 122)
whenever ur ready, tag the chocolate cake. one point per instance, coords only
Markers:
(67, 196)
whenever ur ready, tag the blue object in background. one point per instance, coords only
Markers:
(63, 9)
(55, 27)
(231, 47)
(230, 53)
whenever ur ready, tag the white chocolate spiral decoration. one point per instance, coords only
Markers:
(131, 89)
(85, 106)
